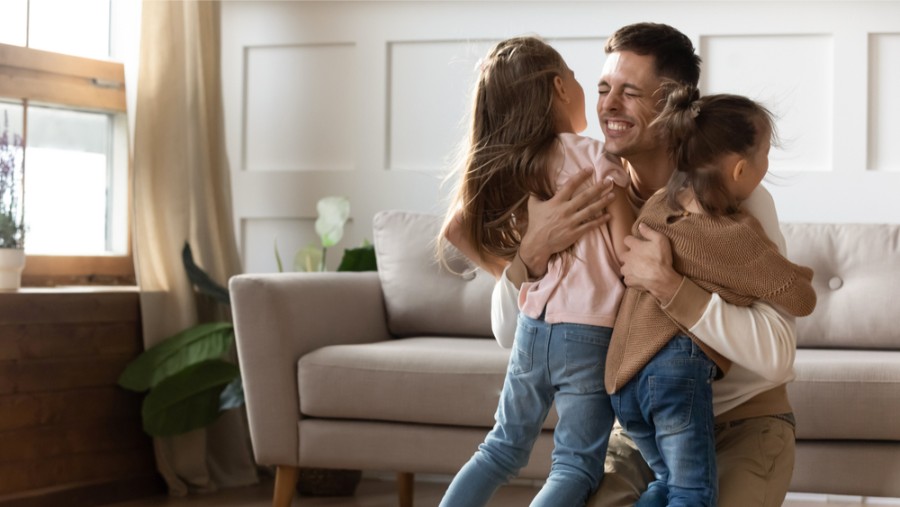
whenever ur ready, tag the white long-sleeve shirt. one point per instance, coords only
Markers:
(759, 339)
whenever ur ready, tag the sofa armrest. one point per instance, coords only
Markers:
(280, 317)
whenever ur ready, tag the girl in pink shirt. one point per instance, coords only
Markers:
(527, 110)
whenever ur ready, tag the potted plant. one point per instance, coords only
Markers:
(334, 211)
(188, 377)
(12, 228)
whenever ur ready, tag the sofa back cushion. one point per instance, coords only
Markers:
(857, 282)
(421, 296)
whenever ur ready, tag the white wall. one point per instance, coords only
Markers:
(368, 99)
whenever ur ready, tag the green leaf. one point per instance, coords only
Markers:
(278, 258)
(359, 259)
(333, 214)
(187, 400)
(310, 258)
(200, 279)
(10, 231)
(189, 347)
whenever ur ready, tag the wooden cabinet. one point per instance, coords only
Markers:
(68, 434)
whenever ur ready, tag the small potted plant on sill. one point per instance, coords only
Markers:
(12, 228)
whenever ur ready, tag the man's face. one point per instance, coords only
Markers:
(628, 102)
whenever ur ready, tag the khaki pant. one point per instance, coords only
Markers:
(755, 459)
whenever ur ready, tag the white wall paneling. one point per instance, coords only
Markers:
(299, 100)
(261, 235)
(798, 90)
(370, 99)
(429, 85)
(884, 102)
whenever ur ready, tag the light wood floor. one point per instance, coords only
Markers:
(382, 493)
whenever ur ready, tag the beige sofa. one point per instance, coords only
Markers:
(396, 370)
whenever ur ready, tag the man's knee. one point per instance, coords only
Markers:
(626, 474)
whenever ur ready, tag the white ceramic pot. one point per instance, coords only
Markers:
(12, 262)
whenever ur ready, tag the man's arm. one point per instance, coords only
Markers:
(504, 310)
(758, 337)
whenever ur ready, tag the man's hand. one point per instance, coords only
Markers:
(647, 265)
(555, 224)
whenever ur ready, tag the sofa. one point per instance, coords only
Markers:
(396, 370)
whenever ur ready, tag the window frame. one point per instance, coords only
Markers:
(45, 77)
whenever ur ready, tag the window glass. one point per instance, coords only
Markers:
(71, 186)
(15, 14)
(72, 27)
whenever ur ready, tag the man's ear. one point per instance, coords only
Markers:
(560, 89)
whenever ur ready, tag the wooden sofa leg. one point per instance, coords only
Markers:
(405, 488)
(285, 482)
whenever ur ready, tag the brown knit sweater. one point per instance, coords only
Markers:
(730, 256)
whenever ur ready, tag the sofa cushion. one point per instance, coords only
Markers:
(421, 296)
(857, 274)
(847, 394)
(447, 381)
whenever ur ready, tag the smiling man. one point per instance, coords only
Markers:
(754, 422)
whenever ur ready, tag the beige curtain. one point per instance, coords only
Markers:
(182, 192)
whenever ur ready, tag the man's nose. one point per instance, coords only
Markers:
(609, 102)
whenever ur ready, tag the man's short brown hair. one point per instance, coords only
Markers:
(672, 50)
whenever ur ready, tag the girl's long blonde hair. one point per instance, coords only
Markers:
(511, 139)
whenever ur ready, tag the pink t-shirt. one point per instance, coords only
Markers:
(590, 291)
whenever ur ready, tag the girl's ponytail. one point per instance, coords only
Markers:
(679, 121)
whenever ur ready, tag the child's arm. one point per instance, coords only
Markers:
(785, 284)
(454, 234)
(621, 221)
(796, 295)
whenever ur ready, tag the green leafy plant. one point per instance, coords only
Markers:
(12, 228)
(188, 380)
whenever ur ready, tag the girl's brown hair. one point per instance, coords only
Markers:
(701, 130)
(510, 142)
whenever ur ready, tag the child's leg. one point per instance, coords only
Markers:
(629, 408)
(524, 403)
(577, 360)
(676, 395)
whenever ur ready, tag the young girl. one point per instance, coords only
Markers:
(528, 107)
(659, 376)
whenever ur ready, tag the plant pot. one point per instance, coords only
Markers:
(12, 262)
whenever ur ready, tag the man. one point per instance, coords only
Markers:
(754, 424)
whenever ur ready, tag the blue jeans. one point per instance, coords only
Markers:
(667, 411)
(549, 362)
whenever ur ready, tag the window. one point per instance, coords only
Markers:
(62, 94)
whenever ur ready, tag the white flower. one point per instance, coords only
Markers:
(333, 214)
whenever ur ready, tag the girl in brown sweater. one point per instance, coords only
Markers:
(659, 375)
